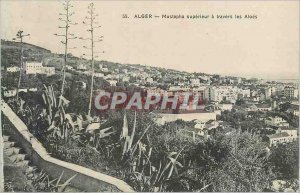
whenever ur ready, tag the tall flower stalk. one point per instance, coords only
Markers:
(66, 19)
(90, 21)
(20, 35)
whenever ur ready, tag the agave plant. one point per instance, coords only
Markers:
(142, 173)
(127, 140)
(154, 179)
(58, 121)
(65, 126)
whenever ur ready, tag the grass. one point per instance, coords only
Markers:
(86, 156)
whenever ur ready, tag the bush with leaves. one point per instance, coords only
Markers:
(235, 162)
(152, 156)
(285, 159)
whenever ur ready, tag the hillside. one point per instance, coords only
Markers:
(10, 53)
(10, 56)
(5, 44)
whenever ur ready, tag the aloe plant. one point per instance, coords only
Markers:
(155, 179)
(61, 124)
(143, 174)
(64, 125)
(127, 140)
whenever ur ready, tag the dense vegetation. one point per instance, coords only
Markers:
(164, 158)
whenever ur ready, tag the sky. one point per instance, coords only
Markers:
(266, 47)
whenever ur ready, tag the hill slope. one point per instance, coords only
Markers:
(10, 53)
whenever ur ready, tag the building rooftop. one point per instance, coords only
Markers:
(288, 128)
(273, 116)
(279, 135)
(263, 105)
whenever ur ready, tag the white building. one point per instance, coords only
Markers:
(108, 76)
(269, 92)
(10, 93)
(98, 74)
(125, 79)
(32, 89)
(220, 93)
(81, 67)
(210, 124)
(13, 69)
(291, 131)
(282, 137)
(37, 68)
(23, 90)
(263, 107)
(199, 124)
(33, 67)
(68, 67)
(104, 69)
(276, 121)
(291, 92)
(112, 82)
(246, 93)
(195, 82)
(225, 107)
(49, 71)
(149, 80)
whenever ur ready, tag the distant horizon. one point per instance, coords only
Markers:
(258, 76)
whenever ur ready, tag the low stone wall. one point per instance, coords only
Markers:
(189, 116)
(86, 179)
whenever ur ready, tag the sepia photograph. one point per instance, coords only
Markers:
(149, 96)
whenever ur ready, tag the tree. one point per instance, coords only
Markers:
(285, 159)
(285, 106)
(92, 26)
(232, 163)
(68, 36)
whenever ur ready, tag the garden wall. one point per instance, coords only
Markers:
(188, 116)
(85, 180)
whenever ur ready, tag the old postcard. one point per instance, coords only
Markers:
(149, 96)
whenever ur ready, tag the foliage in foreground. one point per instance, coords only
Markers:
(152, 158)
(285, 161)
(34, 181)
